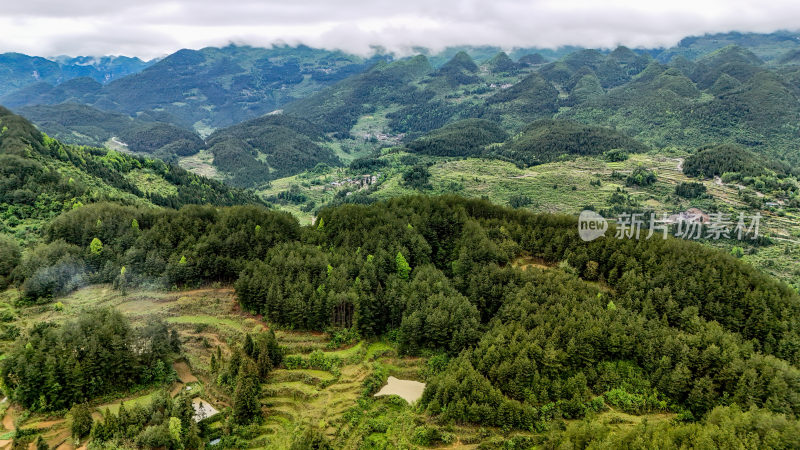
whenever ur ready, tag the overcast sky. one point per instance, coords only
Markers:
(149, 28)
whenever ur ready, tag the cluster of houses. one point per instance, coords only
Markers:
(360, 182)
(690, 215)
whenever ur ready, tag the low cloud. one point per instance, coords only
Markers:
(150, 28)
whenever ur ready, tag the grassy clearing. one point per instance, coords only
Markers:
(201, 163)
(148, 182)
(308, 376)
(379, 349)
(348, 354)
(350, 149)
(207, 320)
(528, 262)
(140, 400)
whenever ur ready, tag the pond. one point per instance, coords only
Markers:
(409, 390)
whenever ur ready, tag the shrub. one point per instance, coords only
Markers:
(640, 177)
(375, 380)
(519, 201)
(634, 403)
(615, 155)
(690, 190)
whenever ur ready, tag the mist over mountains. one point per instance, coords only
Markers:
(720, 85)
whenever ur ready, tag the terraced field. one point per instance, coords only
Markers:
(292, 399)
(298, 398)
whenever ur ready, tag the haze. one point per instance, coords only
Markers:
(150, 28)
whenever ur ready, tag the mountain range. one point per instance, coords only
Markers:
(718, 88)
(21, 71)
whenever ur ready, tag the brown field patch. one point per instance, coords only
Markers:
(184, 372)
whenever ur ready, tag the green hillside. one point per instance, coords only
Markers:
(722, 94)
(42, 177)
(337, 109)
(204, 89)
(549, 140)
(463, 138)
(75, 123)
(730, 159)
(269, 147)
(744, 104)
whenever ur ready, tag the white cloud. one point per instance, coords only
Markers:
(149, 28)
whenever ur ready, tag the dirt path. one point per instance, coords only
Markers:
(680, 165)
(184, 372)
(47, 424)
(8, 419)
(176, 389)
(8, 424)
(526, 262)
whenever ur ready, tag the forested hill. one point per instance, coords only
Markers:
(640, 326)
(728, 95)
(269, 147)
(41, 177)
(75, 123)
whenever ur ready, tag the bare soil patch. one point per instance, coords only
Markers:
(184, 372)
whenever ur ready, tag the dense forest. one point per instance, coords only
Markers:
(463, 138)
(540, 142)
(55, 367)
(644, 326)
(718, 160)
(269, 147)
(549, 140)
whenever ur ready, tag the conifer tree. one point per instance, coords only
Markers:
(403, 269)
(246, 404)
(248, 345)
(96, 246)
